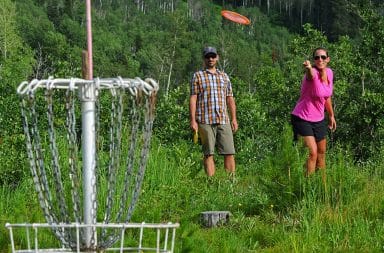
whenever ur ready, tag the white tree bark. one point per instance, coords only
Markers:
(7, 28)
(171, 66)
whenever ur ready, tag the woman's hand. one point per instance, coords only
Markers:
(307, 64)
(332, 123)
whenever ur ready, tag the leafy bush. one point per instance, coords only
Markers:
(13, 160)
(172, 116)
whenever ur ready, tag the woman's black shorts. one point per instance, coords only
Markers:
(306, 128)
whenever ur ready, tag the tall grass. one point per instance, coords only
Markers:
(274, 207)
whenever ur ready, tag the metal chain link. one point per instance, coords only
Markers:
(149, 116)
(135, 123)
(136, 116)
(94, 208)
(57, 178)
(114, 154)
(34, 151)
(147, 130)
(31, 156)
(142, 110)
(73, 157)
(55, 158)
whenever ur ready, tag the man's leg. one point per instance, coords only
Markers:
(209, 165)
(225, 146)
(229, 163)
(208, 137)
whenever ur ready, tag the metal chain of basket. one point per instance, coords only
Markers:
(54, 154)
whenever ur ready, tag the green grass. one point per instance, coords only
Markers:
(274, 208)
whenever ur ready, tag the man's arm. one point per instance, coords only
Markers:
(192, 112)
(232, 110)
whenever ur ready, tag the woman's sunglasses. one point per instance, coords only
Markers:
(323, 57)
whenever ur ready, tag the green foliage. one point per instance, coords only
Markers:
(273, 92)
(274, 208)
(172, 116)
(9, 39)
(263, 61)
(15, 65)
(13, 160)
(252, 143)
(361, 80)
(303, 46)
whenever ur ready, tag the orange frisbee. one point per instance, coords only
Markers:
(235, 17)
(195, 137)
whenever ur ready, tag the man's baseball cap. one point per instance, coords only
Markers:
(209, 50)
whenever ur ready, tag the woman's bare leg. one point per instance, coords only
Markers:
(310, 143)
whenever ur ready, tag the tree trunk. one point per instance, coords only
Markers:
(301, 12)
(171, 67)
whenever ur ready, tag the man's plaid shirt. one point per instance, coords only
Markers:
(212, 91)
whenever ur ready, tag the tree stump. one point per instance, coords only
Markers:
(215, 218)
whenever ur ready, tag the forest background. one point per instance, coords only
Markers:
(163, 39)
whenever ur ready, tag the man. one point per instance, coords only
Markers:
(211, 98)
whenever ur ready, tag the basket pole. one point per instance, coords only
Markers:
(88, 99)
(89, 39)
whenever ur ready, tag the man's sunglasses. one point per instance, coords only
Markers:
(208, 56)
(323, 57)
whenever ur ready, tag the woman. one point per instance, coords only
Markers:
(308, 116)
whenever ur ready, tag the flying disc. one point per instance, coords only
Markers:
(235, 17)
(195, 137)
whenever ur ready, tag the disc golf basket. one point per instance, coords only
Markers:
(88, 176)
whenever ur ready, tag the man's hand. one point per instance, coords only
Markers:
(194, 126)
(234, 125)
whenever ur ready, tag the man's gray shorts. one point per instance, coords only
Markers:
(219, 136)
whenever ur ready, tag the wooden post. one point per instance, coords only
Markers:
(85, 65)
